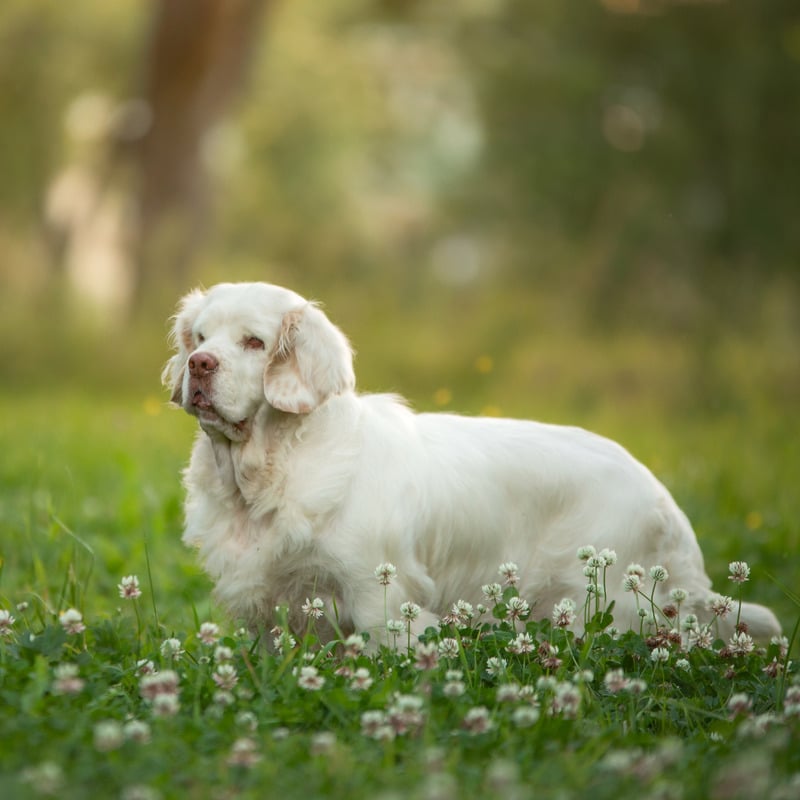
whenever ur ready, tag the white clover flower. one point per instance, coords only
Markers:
(495, 666)
(361, 680)
(740, 644)
(310, 679)
(129, 588)
(586, 552)
(615, 681)
(323, 743)
(405, 714)
(609, 557)
(222, 654)
(659, 574)
(567, 700)
(635, 569)
(136, 730)
(410, 611)
(739, 570)
(108, 735)
(159, 683)
(375, 725)
(493, 592)
(448, 647)
(678, 595)
(683, 664)
(172, 648)
(395, 626)
(564, 613)
(510, 571)
(66, 679)
(739, 704)
(243, 753)
(426, 656)
(72, 621)
(525, 716)
(701, 637)
(720, 605)
(463, 612)
(632, 582)
(659, 655)
(637, 686)
(6, 621)
(454, 688)
(385, 573)
(354, 645)
(208, 633)
(225, 676)
(477, 720)
(522, 644)
(507, 693)
(313, 608)
(518, 608)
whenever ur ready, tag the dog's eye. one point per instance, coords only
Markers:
(200, 338)
(253, 343)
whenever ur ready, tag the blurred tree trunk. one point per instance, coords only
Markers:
(195, 64)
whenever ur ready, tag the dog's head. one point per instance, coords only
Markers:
(241, 345)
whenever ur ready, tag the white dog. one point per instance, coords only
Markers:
(299, 488)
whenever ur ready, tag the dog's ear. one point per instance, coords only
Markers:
(310, 361)
(180, 339)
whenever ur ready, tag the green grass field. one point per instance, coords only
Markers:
(90, 493)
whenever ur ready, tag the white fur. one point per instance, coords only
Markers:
(299, 487)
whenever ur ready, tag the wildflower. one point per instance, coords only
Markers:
(361, 680)
(567, 700)
(66, 679)
(409, 611)
(462, 612)
(354, 645)
(129, 588)
(659, 655)
(659, 574)
(632, 582)
(172, 648)
(546, 683)
(222, 654)
(225, 676)
(426, 656)
(670, 611)
(454, 688)
(593, 564)
(509, 570)
(548, 656)
(720, 605)
(282, 639)
(243, 753)
(739, 704)
(310, 679)
(773, 669)
(585, 553)
(637, 686)
(678, 595)
(683, 664)
(701, 637)
(313, 609)
(508, 693)
(518, 608)
(782, 643)
(72, 621)
(522, 644)
(739, 570)
(635, 569)
(477, 721)
(525, 716)
(145, 667)
(448, 648)
(609, 557)
(247, 720)
(208, 633)
(6, 621)
(222, 698)
(493, 592)
(375, 725)
(615, 681)
(495, 666)
(405, 714)
(791, 702)
(136, 731)
(564, 613)
(740, 644)
(323, 743)
(385, 573)
(160, 683)
(108, 735)
(46, 778)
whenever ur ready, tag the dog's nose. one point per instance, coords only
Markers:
(201, 364)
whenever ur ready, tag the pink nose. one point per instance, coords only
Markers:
(201, 364)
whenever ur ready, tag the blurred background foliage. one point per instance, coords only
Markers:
(520, 207)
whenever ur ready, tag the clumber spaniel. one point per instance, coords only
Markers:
(298, 487)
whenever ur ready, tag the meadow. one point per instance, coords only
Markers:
(120, 678)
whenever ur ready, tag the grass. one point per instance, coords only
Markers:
(89, 494)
